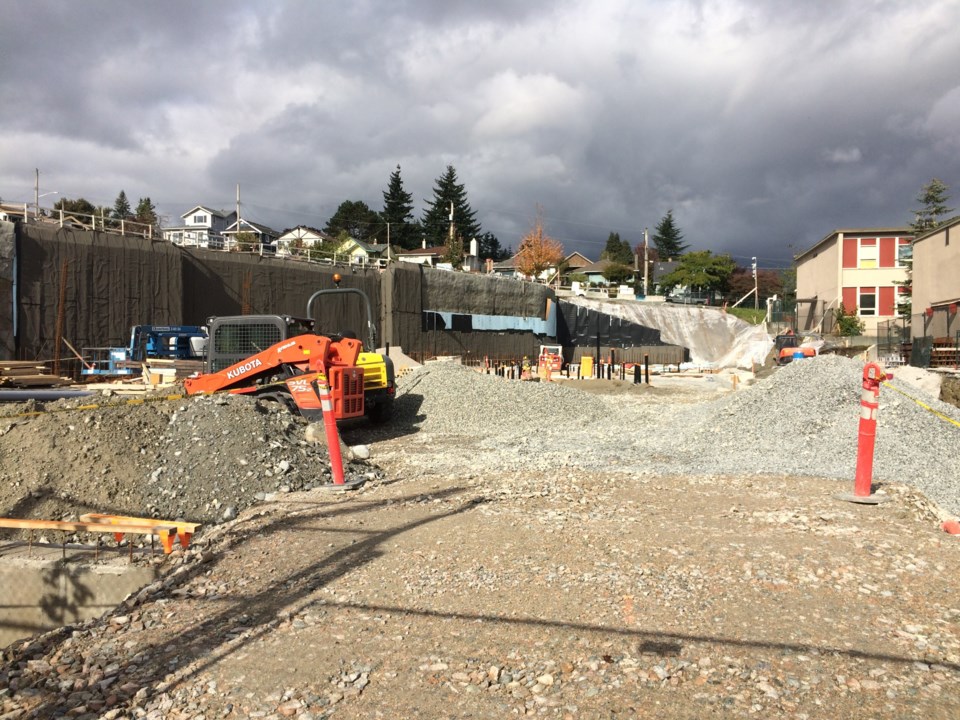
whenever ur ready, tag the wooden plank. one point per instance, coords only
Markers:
(95, 527)
(134, 520)
(39, 380)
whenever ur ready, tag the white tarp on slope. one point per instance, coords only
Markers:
(712, 336)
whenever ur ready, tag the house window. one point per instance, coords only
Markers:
(868, 253)
(904, 252)
(867, 304)
(199, 219)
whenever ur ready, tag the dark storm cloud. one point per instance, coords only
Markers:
(762, 124)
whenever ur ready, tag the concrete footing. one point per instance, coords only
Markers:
(44, 586)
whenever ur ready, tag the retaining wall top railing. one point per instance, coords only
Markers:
(69, 218)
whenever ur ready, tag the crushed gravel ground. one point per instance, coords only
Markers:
(534, 549)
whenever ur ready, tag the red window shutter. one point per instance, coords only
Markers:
(849, 252)
(850, 300)
(888, 252)
(886, 301)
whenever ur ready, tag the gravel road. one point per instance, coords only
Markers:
(522, 549)
(801, 420)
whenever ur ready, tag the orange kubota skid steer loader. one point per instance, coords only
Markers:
(278, 357)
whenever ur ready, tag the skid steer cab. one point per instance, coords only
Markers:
(279, 357)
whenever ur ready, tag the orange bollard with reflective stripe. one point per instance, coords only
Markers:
(873, 375)
(330, 428)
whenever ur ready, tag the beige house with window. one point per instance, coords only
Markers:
(858, 268)
(936, 282)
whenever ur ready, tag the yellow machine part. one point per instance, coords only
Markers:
(374, 370)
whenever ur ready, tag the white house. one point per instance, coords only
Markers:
(303, 237)
(362, 253)
(201, 227)
(262, 235)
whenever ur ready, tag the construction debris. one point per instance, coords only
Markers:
(29, 374)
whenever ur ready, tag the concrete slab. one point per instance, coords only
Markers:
(42, 588)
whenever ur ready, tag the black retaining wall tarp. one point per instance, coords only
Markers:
(582, 327)
(95, 286)
(414, 294)
(111, 283)
(7, 290)
(217, 283)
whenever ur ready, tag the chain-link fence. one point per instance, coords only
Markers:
(893, 341)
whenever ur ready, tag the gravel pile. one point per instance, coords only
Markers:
(803, 419)
(204, 458)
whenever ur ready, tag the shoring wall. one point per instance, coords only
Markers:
(111, 283)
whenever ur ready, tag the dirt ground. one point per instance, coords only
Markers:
(567, 594)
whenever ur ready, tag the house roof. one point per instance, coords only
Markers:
(263, 229)
(301, 230)
(509, 264)
(371, 248)
(425, 252)
(596, 268)
(939, 228)
(216, 213)
(901, 231)
(577, 260)
(663, 267)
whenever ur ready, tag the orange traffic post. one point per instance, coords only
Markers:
(873, 375)
(333, 437)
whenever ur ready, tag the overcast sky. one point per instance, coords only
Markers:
(763, 124)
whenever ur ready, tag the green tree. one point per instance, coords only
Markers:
(398, 212)
(121, 208)
(933, 197)
(616, 273)
(702, 270)
(80, 206)
(246, 241)
(356, 219)
(454, 251)
(436, 216)
(848, 324)
(146, 213)
(667, 238)
(490, 247)
(617, 250)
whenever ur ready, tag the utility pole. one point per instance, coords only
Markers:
(646, 263)
(451, 222)
(36, 192)
(756, 297)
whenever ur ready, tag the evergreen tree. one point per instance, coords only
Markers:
(354, 218)
(934, 198)
(398, 212)
(667, 238)
(121, 207)
(146, 213)
(454, 252)
(617, 250)
(436, 216)
(490, 247)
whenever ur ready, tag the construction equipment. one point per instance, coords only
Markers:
(167, 342)
(279, 357)
(551, 358)
(789, 346)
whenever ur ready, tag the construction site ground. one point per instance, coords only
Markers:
(567, 593)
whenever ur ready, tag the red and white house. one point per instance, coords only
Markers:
(859, 268)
